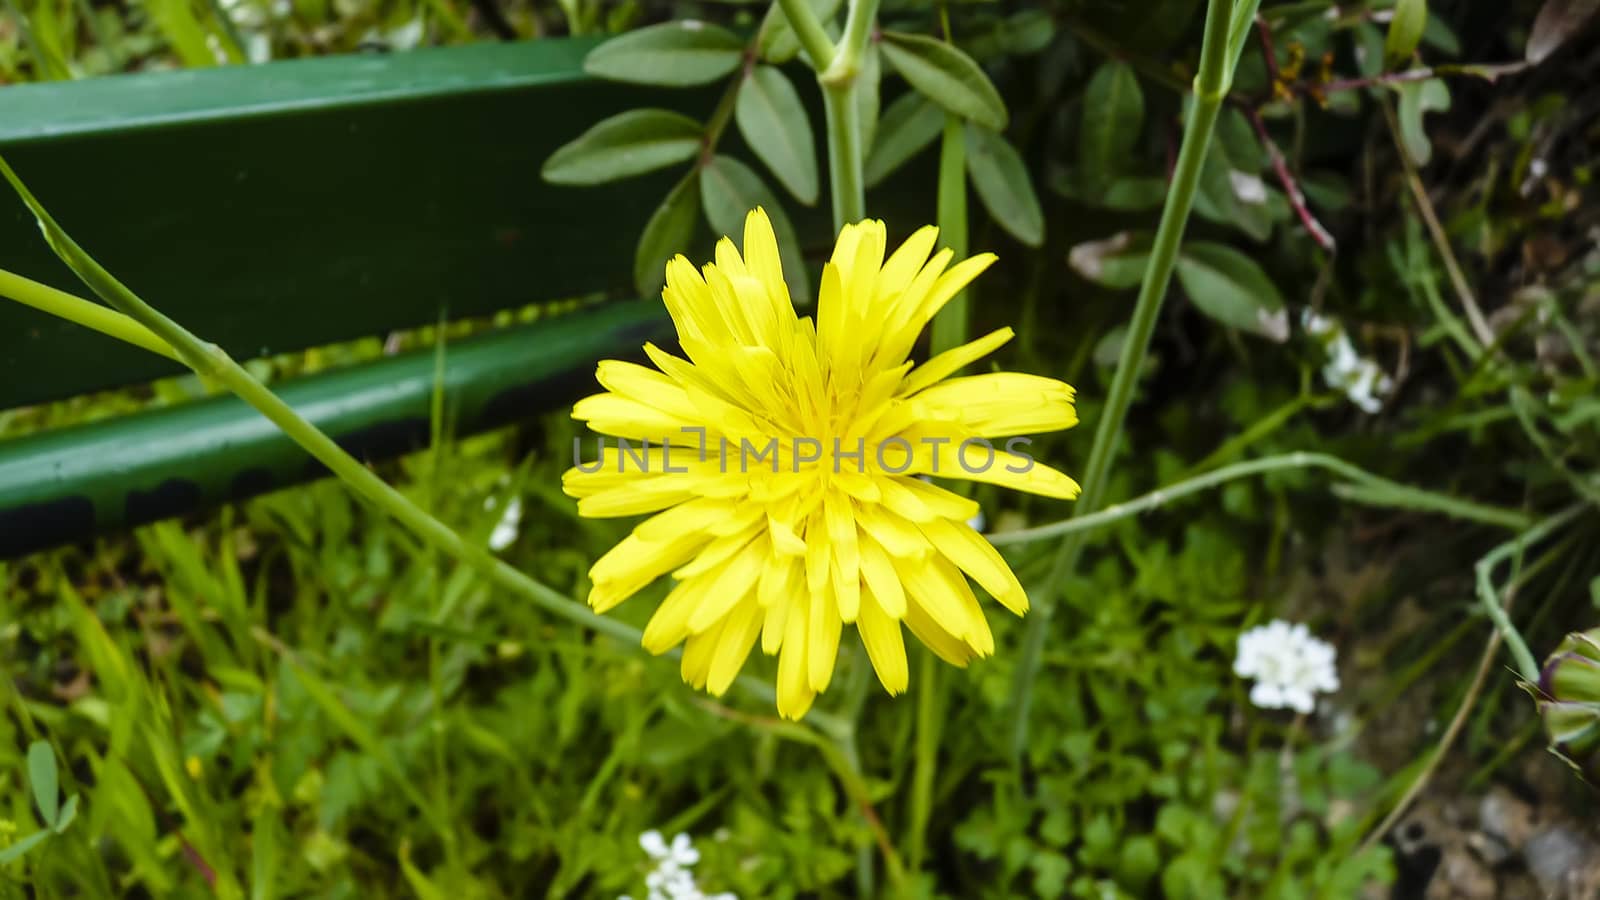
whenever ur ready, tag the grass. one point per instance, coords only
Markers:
(294, 696)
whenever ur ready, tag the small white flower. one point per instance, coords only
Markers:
(653, 845)
(1361, 379)
(505, 534)
(1289, 665)
(672, 878)
(683, 851)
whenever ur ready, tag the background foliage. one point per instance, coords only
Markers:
(294, 697)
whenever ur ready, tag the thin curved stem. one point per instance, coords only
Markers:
(1489, 596)
(1375, 490)
(209, 360)
(808, 28)
(90, 315)
(1218, 56)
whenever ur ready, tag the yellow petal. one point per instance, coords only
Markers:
(1000, 404)
(794, 687)
(698, 652)
(635, 562)
(733, 646)
(773, 626)
(978, 558)
(877, 569)
(905, 262)
(822, 641)
(734, 581)
(885, 646)
(841, 523)
(670, 624)
(953, 360)
(927, 629)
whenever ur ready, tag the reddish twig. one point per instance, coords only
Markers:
(1487, 71)
(1291, 187)
(1268, 53)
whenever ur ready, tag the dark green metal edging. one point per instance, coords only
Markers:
(294, 204)
(73, 483)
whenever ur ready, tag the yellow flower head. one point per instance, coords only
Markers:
(784, 465)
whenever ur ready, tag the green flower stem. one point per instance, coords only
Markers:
(86, 313)
(857, 30)
(808, 28)
(930, 721)
(950, 325)
(844, 154)
(1217, 60)
(1377, 491)
(208, 360)
(1489, 595)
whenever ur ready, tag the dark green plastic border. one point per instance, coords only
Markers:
(73, 483)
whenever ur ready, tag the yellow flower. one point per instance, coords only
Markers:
(784, 461)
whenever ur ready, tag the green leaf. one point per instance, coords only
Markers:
(673, 54)
(1132, 193)
(778, 43)
(1438, 35)
(730, 190)
(625, 145)
(908, 126)
(775, 126)
(1368, 49)
(1218, 200)
(666, 234)
(1003, 185)
(42, 778)
(1417, 99)
(1405, 31)
(1118, 262)
(15, 851)
(69, 811)
(1113, 112)
(946, 76)
(1230, 288)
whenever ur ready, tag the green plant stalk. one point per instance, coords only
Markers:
(1211, 85)
(88, 314)
(926, 757)
(808, 29)
(844, 154)
(208, 360)
(1379, 492)
(857, 30)
(1489, 595)
(950, 325)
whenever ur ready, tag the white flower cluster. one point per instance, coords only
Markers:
(672, 879)
(1360, 379)
(1290, 666)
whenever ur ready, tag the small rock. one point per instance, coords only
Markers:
(1563, 861)
(1505, 819)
